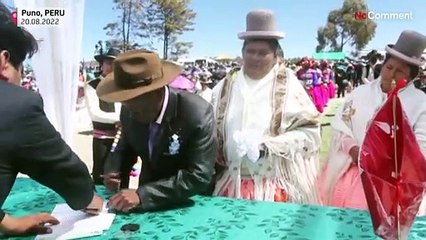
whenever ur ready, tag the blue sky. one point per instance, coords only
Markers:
(218, 22)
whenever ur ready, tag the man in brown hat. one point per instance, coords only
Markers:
(341, 183)
(172, 132)
(104, 116)
(268, 129)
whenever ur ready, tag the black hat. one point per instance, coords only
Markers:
(111, 54)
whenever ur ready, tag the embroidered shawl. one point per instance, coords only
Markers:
(292, 143)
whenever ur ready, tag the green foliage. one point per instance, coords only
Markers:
(342, 28)
(178, 49)
(130, 29)
(168, 19)
(141, 21)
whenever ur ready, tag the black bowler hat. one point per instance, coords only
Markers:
(110, 54)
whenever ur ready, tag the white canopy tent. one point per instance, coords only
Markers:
(56, 65)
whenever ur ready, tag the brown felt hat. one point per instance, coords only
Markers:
(135, 73)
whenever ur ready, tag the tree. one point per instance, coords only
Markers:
(343, 28)
(115, 43)
(178, 49)
(130, 29)
(169, 18)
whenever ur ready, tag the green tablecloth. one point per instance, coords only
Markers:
(220, 218)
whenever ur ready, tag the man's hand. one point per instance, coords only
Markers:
(112, 181)
(95, 206)
(31, 224)
(125, 200)
(354, 153)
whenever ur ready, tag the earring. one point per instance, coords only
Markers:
(393, 84)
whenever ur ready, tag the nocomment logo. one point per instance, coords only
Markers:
(371, 15)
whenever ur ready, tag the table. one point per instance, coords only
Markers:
(219, 218)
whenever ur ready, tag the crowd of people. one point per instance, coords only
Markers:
(318, 78)
(255, 135)
(231, 92)
(322, 79)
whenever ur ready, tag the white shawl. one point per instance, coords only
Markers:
(292, 142)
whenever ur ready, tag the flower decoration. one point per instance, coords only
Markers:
(174, 145)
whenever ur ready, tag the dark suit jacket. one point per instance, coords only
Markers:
(168, 179)
(30, 144)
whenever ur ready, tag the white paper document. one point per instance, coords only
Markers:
(76, 224)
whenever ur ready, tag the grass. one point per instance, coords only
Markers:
(330, 111)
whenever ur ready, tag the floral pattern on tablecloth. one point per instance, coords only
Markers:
(219, 218)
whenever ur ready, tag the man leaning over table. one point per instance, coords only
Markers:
(30, 144)
(172, 132)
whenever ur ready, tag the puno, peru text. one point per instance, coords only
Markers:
(43, 13)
